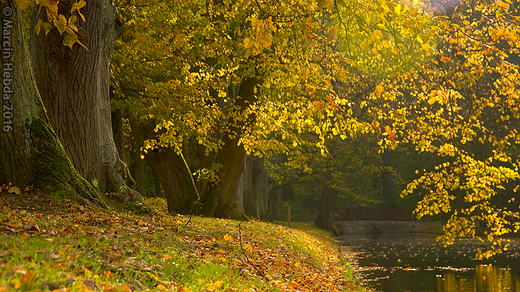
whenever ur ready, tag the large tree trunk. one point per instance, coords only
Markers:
(30, 152)
(224, 199)
(74, 85)
(168, 167)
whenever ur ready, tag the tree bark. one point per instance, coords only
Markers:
(388, 180)
(74, 85)
(168, 167)
(275, 192)
(138, 172)
(324, 219)
(224, 200)
(30, 151)
(250, 205)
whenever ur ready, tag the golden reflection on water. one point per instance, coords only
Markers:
(416, 264)
(486, 278)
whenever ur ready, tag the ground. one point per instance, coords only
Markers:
(50, 243)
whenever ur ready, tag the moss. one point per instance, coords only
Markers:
(60, 195)
(137, 207)
(54, 171)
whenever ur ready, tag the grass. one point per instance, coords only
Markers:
(63, 246)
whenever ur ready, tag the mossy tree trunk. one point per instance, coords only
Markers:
(30, 151)
(74, 85)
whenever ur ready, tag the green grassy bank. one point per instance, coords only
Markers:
(47, 245)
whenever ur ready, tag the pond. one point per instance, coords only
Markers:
(406, 262)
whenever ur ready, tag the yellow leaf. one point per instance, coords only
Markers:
(167, 257)
(15, 190)
(78, 5)
(391, 134)
(498, 34)
(426, 47)
(46, 27)
(332, 34)
(379, 89)
(433, 99)
(305, 74)
(23, 4)
(16, 283)
(364, 45)
(219, 283)
(61, 23)
(309, 22)
(248, 43)
(319, 105)
(375, 124)
(70, 40)
(397, 9)
(227, 237)
(324, 4)
(72, 21)
(38, 26)
(310, 89)
(82, 17)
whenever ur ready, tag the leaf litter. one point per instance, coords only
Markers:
(61, 245)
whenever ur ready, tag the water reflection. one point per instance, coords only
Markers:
(391, 262)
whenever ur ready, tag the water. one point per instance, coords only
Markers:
(416, 263)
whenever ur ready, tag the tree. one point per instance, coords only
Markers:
(31, 153)
(73, 80)
(462, 107)
(208, 60)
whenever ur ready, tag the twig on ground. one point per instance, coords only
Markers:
(247, 258)
(186, 224)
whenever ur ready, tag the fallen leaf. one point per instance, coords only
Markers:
(15, 190)
(227, 237)
(379, 90)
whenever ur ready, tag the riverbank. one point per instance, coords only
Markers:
(343, 228)
(52, 245)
